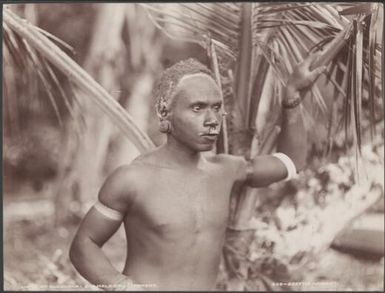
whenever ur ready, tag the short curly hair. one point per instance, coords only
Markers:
(164, 88)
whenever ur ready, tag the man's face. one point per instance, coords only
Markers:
(196, 112)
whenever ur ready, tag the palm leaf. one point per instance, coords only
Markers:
(293, 29)
(25, 58)
(372, 65)
(78, 76)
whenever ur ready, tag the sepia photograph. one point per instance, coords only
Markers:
(193, 146)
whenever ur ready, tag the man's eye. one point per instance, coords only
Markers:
(196, 108)
(217, 108)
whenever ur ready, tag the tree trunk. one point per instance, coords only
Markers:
(244, 200)
(138, 105)
(105, 64)
(120, 72)
(145, 48)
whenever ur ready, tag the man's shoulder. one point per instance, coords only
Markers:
(145, 161)
(226, 158)
(131, 174)
(236, 165)
(228, 161)
(121, 178)
(119, 188)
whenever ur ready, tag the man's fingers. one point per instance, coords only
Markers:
(321, 69)
(317, 72)
(311, 58)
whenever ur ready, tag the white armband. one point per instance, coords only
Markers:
(108, 212)
(291, 169)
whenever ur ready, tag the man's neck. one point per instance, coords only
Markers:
(179, 155)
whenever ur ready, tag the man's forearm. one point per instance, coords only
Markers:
(292, 139)
(90, 261)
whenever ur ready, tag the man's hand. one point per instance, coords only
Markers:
(292, 141)
(302, 76)
(124, 283)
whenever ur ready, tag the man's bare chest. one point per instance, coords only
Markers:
(174, 204)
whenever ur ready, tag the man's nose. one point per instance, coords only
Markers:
(211, 119)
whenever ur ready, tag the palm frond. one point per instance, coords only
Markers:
(25, 57)
(62, 62)
(373, 28)
(195, 22)
(244, 66)
(284, 34)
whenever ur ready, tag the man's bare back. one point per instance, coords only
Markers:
(176, 224)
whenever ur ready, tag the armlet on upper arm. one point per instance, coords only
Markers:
(291, 169)
(108, 212)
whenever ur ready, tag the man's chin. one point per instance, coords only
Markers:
(206, 147)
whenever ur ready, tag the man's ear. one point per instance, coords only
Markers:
(164, 121)
(165, 126)
(164, 113)
(164, 118)
(162, 109)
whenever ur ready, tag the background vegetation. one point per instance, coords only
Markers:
(59, 145)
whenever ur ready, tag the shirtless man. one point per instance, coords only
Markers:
(174, 200)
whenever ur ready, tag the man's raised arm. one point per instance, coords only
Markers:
(292, 140)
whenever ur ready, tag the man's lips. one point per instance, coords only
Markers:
(211, 135)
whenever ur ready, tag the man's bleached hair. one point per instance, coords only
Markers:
(164, 89)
